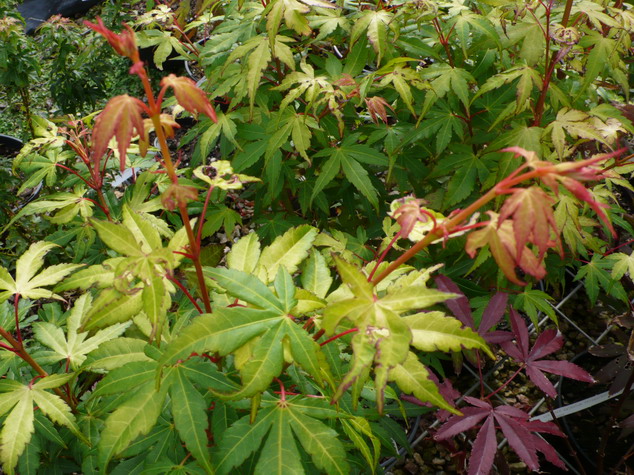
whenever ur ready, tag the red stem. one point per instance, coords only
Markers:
(508, 381)
(186, 292)
(352, 330)
(383, 254)
(202, 216)
(17, 318)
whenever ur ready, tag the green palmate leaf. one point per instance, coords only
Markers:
(288, 250)
(28, 283)
(244, 254)
(144, 231)
(315, 274)
(190, 418)
(355, 280)
(132, 418)
(112, 306)
(622, 264)
(126, 377)
(595, 276)
(357, 427)
(118, 238)
(282, 426)
(285, 289)
(328, 171)
(576, 123)
(16, 433)
(155, 303)
(85, 278)
(246, 287)
(229, 329)
(413, 378)
(19, 426)
(434, 331)
(375, 23)
(603, 48)
(75, 346)
(383, 337)
(224, 331)
(358, 176)
(414, 297)
(532, 302)
(116, 353)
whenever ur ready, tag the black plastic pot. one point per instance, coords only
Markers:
(9, 146)
(36, 12)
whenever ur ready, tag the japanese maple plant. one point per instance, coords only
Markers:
(285, 359)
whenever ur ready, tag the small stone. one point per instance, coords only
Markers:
(419, 459)
(411, 467)
(438, 461)
(517, 466)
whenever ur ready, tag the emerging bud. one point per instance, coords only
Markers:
(415, 220)
(177, 195)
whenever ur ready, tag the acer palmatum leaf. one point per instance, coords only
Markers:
(122, 119)
(547, 342)
(533, 218)
(515, 425)
(460, 308)
(189, 95)
(500, 237)
(123, 43)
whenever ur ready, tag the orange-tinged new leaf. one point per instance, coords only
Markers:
(120, 119)
(501, 241)
(533, 218)
(191, 97)
(123, 43)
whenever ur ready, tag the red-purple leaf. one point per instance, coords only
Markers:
(540, 380)
(628, 422)
(520, 439)
(549, 452)
(520, 331)
(511, 411)
(564, 368)
(484, 449)
(521, 433)
(493, 312)
(458, 306)
(478, 402)
(547, 342)
(546, 427)
(471, 417)
(497, 337)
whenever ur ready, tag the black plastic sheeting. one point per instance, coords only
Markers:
(36, 12)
